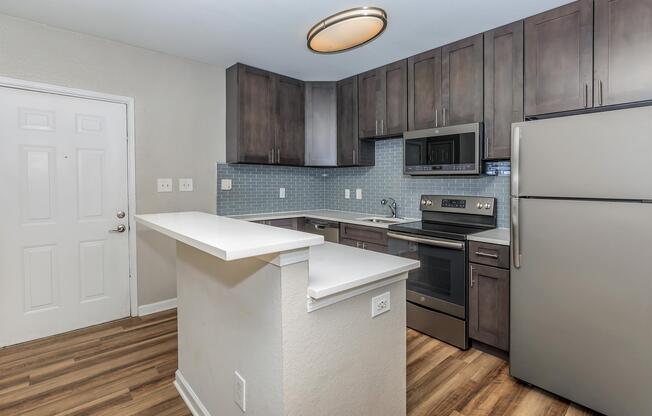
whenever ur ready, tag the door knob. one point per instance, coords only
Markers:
(119, 229)
(120, 214)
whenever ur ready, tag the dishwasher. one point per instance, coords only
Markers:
(329, 229)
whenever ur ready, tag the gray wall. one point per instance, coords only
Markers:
(179, 106)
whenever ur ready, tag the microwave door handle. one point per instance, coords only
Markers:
(428, 241)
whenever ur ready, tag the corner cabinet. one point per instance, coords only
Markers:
(489, 294)
(321, 124)
(382, 102)
(503, 88)
(559, 59)
(264, 117)
(351, 150)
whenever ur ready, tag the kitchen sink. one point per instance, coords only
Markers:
(382, 220)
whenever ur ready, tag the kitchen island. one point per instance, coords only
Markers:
(287, 315)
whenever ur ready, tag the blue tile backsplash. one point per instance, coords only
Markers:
(256, 187)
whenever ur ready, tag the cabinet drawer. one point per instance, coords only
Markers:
(364, 245)
(364, 234)
(289, 223)
(489, 254)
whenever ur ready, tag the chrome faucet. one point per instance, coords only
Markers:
(392, 205)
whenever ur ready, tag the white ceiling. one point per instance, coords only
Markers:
(271, 33)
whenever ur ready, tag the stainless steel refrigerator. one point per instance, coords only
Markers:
(581, 273)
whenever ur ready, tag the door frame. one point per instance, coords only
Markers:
(131, 161)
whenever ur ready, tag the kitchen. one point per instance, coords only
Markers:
(482, 191)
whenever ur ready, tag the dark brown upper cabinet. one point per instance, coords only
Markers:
(424, 90)
(382, 103)
(264, 117)
(559, 59)
(249, 115)
(462, 83)
(289, 121)
(351, 150)
(503, 88)
(623, 51)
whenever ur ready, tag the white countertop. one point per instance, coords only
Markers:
(500, 236)
(336, 268)
(322, 214)
(227, 238)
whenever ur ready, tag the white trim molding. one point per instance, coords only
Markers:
(161, 306)
(191, 399)
(131, 160)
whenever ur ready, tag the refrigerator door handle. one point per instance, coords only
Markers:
(516, 150)
(516, 240)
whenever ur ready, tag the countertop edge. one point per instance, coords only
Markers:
(498, 236)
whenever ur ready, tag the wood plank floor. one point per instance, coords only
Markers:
(127, 367)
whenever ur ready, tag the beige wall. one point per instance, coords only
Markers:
(179, 121)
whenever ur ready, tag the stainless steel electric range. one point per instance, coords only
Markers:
(437, 292)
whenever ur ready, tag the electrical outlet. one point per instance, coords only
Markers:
(164, 185)
(226, 184)
(239, 391)
(347, 194)
(380, 304)
(185, 185)
(281, 192)
(358, 193)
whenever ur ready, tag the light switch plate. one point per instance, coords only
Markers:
(358, 193)
(226, 184)
(185, 185)
(281, 192)
(164, 185)
(347, 194)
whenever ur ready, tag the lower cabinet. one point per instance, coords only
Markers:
(368, 238)
(489, 304)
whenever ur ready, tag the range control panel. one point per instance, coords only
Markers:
(459, 204)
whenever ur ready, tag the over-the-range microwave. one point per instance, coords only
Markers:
(451, 150)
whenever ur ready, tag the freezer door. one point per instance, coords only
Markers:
(581, 303)
(605, 155)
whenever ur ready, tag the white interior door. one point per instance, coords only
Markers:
(63, 169)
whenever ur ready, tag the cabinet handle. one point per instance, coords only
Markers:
(472, 282)
(436, 118)
(491, 256)
(443, 116)
(354, 156)
(357, 244)
(601, 91)
(278, 155)
(586, 95)
(376, 127)
(270, 156)
(382, 126)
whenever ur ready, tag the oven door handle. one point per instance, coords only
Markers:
(428, 241)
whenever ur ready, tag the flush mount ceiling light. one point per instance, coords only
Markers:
(346, 30)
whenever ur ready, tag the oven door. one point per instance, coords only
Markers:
(440, 282)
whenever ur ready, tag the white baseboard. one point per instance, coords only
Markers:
(161, 306)
(189, 397)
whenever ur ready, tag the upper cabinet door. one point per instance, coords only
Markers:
(559, 59)
(369, 93)
(623, 51)
(424, 90)
(347, 121)
(462, 85)
(250, 119)
(503, 87)
(289, 121)
(394, 103)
